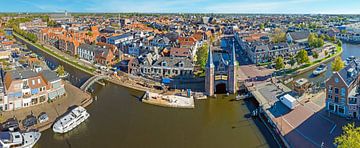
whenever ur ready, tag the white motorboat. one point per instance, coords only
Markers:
(19, 139)
(70, 120)
(322, 68)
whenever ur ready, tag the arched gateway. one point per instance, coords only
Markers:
(220, 71)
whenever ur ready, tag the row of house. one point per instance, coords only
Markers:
(24, 87)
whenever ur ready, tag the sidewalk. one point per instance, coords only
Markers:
(59, 106)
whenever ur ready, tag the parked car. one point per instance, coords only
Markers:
(29, 121)
(43, 117)
(11, 124)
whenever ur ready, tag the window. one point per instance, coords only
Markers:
(33, 82)
(336, 80)
(331, 107)
(336, 90)
(39, 81)
(330, 88)
(330, 96)
(343, 92)
(341, 109)
(336, 99)
(342, 100)
(352, 100)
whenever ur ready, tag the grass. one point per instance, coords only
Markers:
(84, 68)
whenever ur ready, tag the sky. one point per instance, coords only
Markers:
(185, 6)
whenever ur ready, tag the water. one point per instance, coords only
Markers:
(118, 119)
(348, 50)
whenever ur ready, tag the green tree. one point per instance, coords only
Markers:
(60, 70)
(322, 36)
(339, 43)
(349, 138)
(278, 36)
(279, 63)
(262, 26)
(89, 33)
(315, 55)
(201, 55)
(315, 41)
(337, 64)
(302, 57)
(333, 39)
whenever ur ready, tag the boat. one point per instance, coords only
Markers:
(349, 59)
(322, 68)
(19, 139)
(70, 120)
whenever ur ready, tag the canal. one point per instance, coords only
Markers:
(348, 50)
(119, 119)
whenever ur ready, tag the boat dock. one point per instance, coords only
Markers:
(175, 101)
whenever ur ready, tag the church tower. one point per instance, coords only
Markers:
(209, 78)
(232, 71)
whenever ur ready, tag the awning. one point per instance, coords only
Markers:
(166, 80)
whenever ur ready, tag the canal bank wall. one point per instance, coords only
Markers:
(67, 64)
(124, 80)
(301, 71)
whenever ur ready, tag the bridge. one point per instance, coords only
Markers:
(92, 80)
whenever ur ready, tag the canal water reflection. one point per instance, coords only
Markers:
(119, 119)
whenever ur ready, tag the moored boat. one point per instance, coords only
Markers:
(70, 120)
(19, 139)
(322, 68)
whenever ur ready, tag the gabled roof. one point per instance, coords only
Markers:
(350, 73)
(50, 76)
(299, 35)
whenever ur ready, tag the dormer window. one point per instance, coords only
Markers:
(181, 64)
(163, 63)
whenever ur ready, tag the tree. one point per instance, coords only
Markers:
(333, 39)
(322, 36)
(201, 55)
(89, 33)
(262, 26)
(337, 64)
(315, 55)
(60, 70)
(302, 57)
(339, 43)
(326, 52)
(349, 138)
(315, 41)
(278, 36)
(279, 63)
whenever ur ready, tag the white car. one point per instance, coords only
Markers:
(43, 117)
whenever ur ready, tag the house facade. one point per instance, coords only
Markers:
(342, 91)
(24, 88)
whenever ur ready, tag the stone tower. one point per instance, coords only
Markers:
(232, 71)
(209, 78)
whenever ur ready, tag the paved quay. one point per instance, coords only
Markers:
(74, 96)
(300, 126)
(168, 100)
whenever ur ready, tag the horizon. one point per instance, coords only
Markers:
(325, 7)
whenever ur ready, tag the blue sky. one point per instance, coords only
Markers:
(183, 6)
